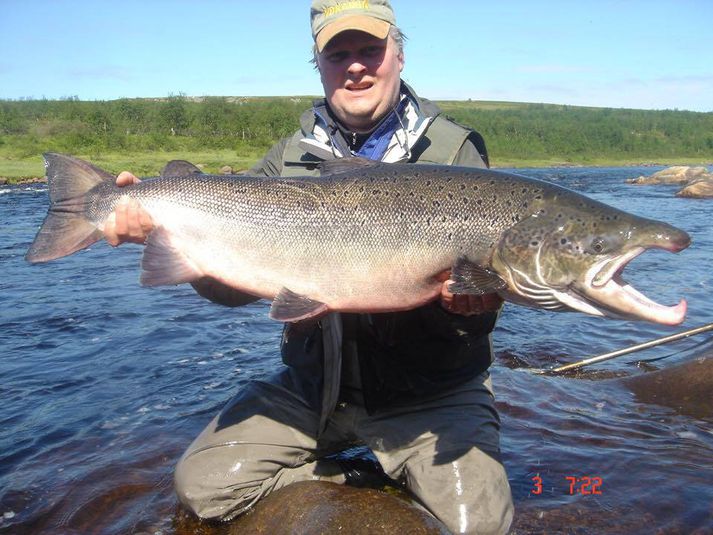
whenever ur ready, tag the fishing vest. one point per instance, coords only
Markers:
(438, 145)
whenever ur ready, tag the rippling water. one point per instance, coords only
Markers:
(105, 383)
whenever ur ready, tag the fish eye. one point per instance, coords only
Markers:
(598, 245)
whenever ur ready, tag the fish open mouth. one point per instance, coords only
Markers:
(606, 290)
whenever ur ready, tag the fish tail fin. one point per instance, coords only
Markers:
(66, 229)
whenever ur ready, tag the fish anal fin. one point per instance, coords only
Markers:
(292, 307)
(473, 279)
(163, 264)
(343, 165)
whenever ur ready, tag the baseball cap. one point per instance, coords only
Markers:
(330, 17)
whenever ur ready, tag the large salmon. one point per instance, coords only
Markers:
(368, 236)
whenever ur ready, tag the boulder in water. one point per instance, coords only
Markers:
(698, 189)
(678, 174)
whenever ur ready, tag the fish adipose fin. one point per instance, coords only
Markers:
(163, 264)
(289, 306)
(470, 278)
(180, 168)
(66, 230)
(343, 165)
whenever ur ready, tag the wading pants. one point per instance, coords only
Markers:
(445, 449)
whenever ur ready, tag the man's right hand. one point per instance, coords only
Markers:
(129, 222)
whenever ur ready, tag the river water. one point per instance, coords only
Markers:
(105, 383)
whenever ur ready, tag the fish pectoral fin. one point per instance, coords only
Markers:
(470, 278)
(163, 264)
(343, 165)
(181, 168)
(289, 306)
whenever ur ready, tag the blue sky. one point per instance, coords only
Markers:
(633, 54)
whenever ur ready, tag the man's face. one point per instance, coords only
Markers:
(361, 77)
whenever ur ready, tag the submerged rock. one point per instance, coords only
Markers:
(687, 388)
(698, 189)
(314, 507)
(678, 174)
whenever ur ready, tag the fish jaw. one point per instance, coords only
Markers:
(544, 276)
(605, 289)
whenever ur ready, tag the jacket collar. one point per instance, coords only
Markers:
(323, 139)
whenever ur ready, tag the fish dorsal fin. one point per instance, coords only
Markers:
(163, 263)
(472, 279)
(180, 168)
(343, 165)
(289, 306)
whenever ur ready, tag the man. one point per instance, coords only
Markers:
(413, 386)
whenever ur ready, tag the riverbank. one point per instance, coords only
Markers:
(31, 170)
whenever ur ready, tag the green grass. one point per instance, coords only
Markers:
(141, 164)
(150, 164)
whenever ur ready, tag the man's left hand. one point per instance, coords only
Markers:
(467, 305)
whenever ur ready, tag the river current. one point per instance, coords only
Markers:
(105, 383)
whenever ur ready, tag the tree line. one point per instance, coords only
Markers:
(513, 132)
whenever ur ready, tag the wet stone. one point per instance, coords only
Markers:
(314, 507)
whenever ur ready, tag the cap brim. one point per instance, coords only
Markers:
(376, 27)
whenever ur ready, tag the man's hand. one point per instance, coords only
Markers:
(466, 305)
(129, 222)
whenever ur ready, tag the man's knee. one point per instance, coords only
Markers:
(214, 485)
(470, 493)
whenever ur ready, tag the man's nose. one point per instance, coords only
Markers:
(356, 67)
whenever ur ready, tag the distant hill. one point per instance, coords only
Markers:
(515, 133)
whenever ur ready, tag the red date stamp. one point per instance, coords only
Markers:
(584, 485)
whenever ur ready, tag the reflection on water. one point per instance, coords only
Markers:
(105, 383)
